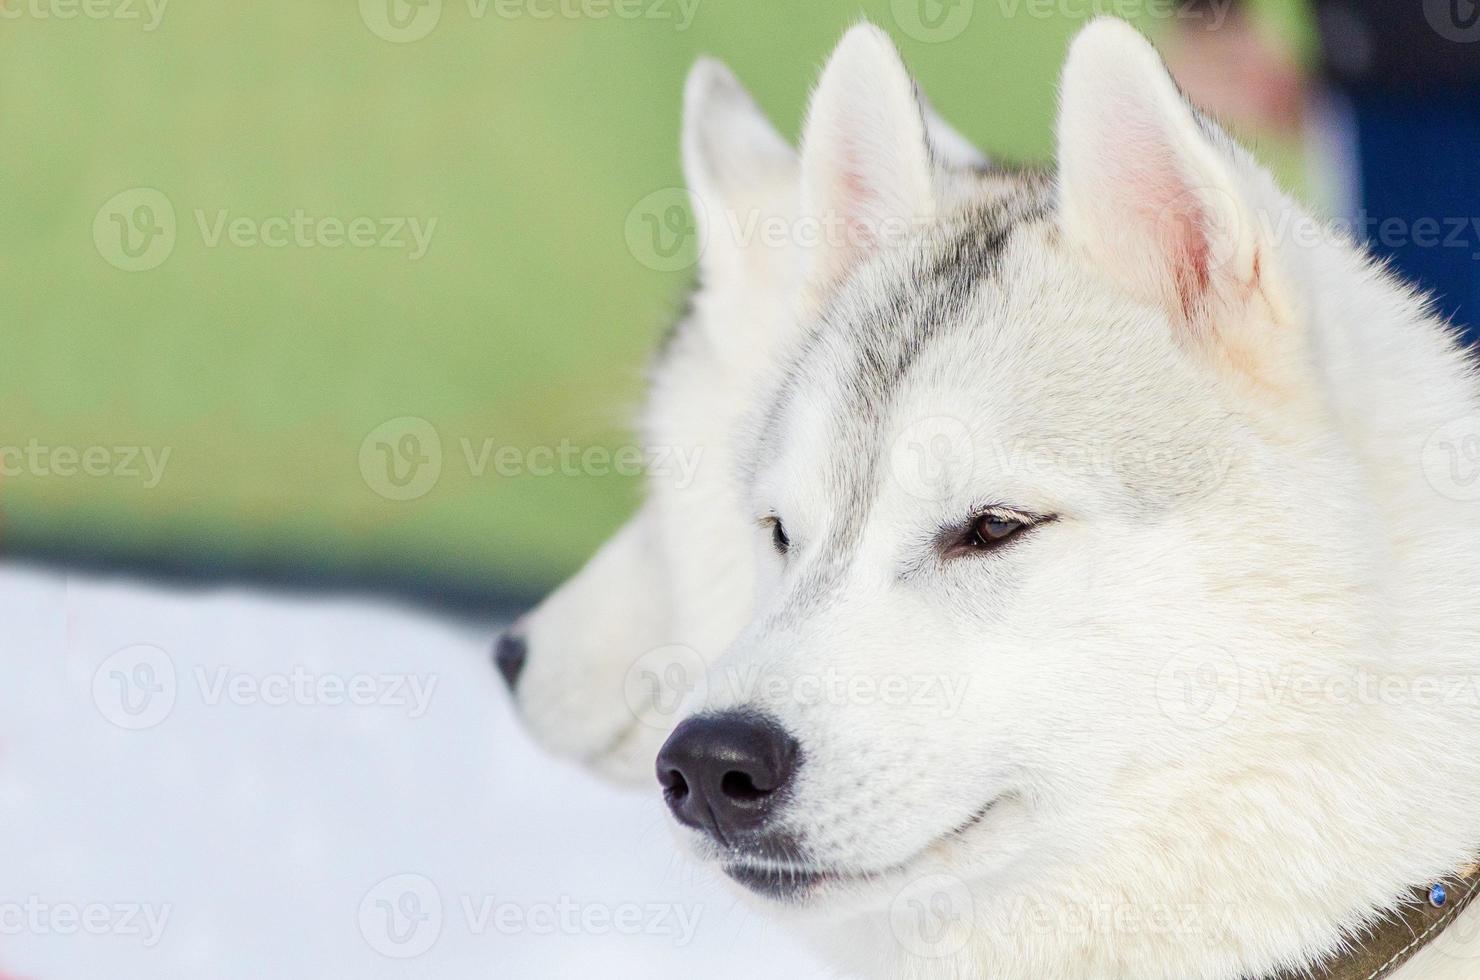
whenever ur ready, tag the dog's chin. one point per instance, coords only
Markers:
(817, 890)
(786, 885)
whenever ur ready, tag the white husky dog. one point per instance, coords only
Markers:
(598, 667)
(1118, 615)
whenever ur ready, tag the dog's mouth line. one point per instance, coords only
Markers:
(742, 866)
(976, 817)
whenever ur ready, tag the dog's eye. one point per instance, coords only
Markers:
(991, 531)
(778, 536)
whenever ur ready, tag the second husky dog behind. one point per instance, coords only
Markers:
(597, 669)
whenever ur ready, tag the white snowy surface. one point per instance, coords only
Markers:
(172, 805)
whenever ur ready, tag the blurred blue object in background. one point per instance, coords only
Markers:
(1418, 185)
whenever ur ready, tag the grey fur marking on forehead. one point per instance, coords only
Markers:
(927, 297)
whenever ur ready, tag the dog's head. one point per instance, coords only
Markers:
(602, 668)
(1050, 469)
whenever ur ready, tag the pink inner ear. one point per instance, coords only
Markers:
(858, 192)
(857, 200)
(1185, 239)
(1164, 211)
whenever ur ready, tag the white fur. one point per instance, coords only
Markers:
(1294, 542)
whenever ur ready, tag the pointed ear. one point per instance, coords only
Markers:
(866, 168)
(1153, 193)
(737, 166)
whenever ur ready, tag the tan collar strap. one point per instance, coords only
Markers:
(1380, 952)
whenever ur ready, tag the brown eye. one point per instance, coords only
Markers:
(992, 530)
(778, 537)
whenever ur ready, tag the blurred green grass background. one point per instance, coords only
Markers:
(527, 322)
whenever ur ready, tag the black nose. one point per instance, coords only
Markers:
(509, 653)
(725, 774)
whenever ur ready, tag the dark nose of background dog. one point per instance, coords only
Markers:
(724, 774)
(510, 651)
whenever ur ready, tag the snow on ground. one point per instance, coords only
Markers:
(233, 785)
